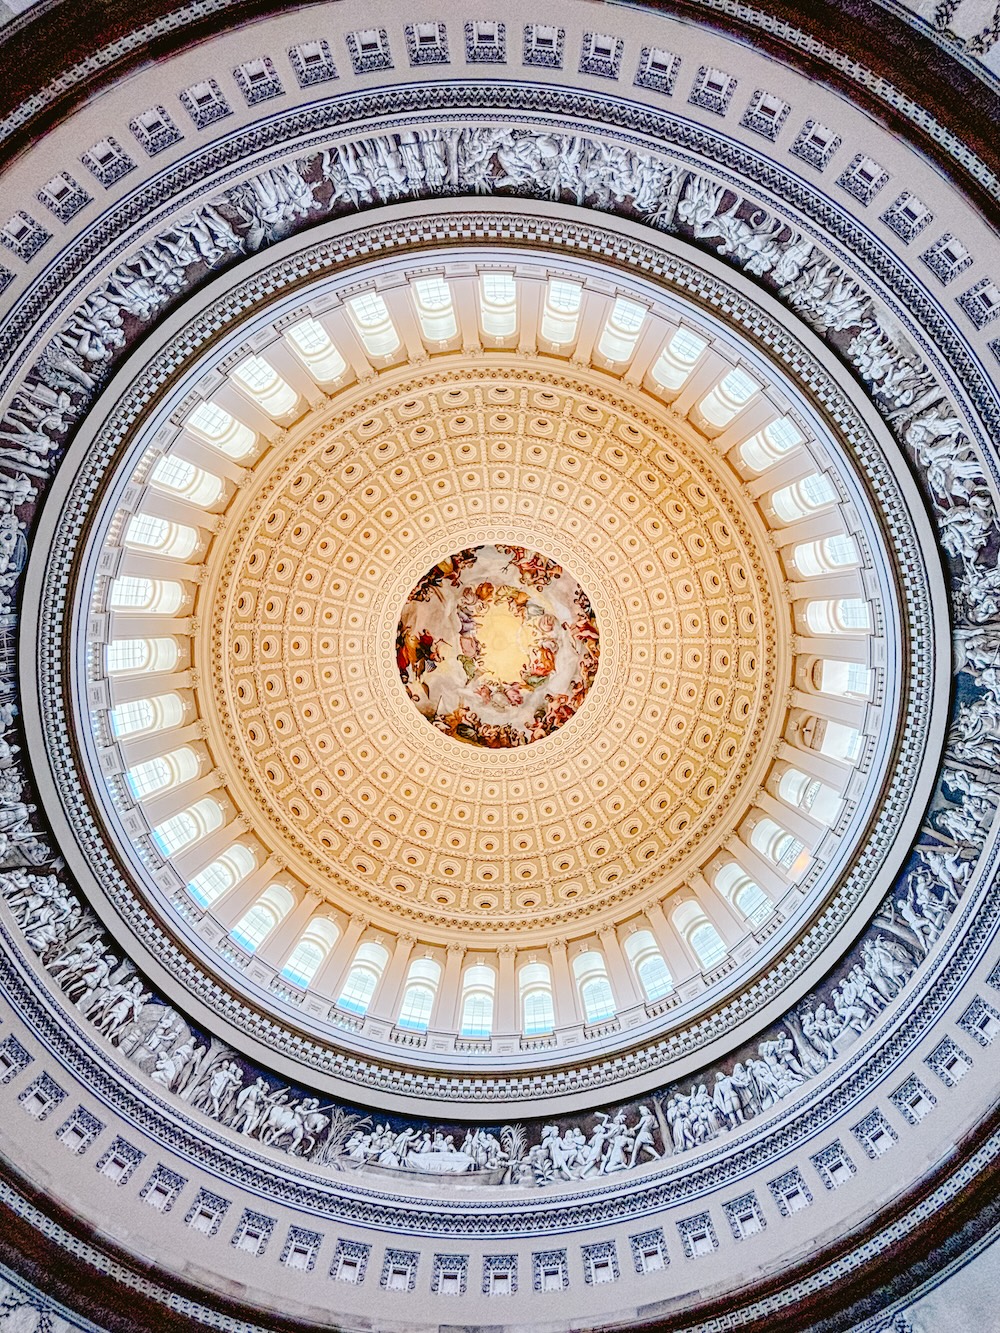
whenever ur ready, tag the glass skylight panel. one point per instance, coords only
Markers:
(176, 832)
(678, 358)
(316, 349)
(371, 318)
(150, 776)
(126, 655)
(477, 1015)
(254, 928)
(418, 1001)
(211, 883)
(539, 1016)
(220, 429)
(128, 591)
(621, 332)
(136, 715)
(263, 383)
(179, 477)
(435, 309)
(358, 990)
(303, 964)
(708, 946)
(498, 304)
(776, 439)
(721, 404)
(144, 530)
(655, 977)
(561, 315)
(176, 474)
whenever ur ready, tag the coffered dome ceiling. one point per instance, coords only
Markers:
(500, 558)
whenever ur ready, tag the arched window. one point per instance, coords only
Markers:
(774, 441)
(704, 941)
(260, 381)
(622, 329)
(643, 953)
(315, 349)
(271, 907)
(809, 794)
(804, 497)
(370, 316)
(839, 615)
(707, 945)
(188, 826)
(753, 902)
(534, 984)
(222, 874)
(369, 964)
(142, 716)
(834, 739)
(777, 844)
(744, 894)
(826, 556)
(596, 994)
(839, 678)
(174, 541)
(154, 776)
(132, 657)
(561, 313)
(162, 597)
(732, 393)
(176, 476)
(314, 944)
(678, 358)
(221, 430)
(435, 310)
(418, 994)
(478, 988)
(498, 304)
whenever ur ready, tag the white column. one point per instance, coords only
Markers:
(449, 996)
(677, 959)
(279, 944)
(157, 808)
(229, 908)
(759, 868)
(385, 1003)
(619, 971)
(723, 917)
(507, 1017)
(329, 980)
(564, 997)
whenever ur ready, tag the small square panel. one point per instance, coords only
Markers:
(23, 235)
(427, 43)
(543, 45)
(108, 161)
(486, 42)
(369, 50)
(601, 54)
(712, 90)
(815, 143)
(205, 103)
(63, 196)
(312, 63)
(258, 80)
(765, 114)
(863, 178)
(907, 216)
(982, 302)
(657, 70)
(155, 130)
(947, 257)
